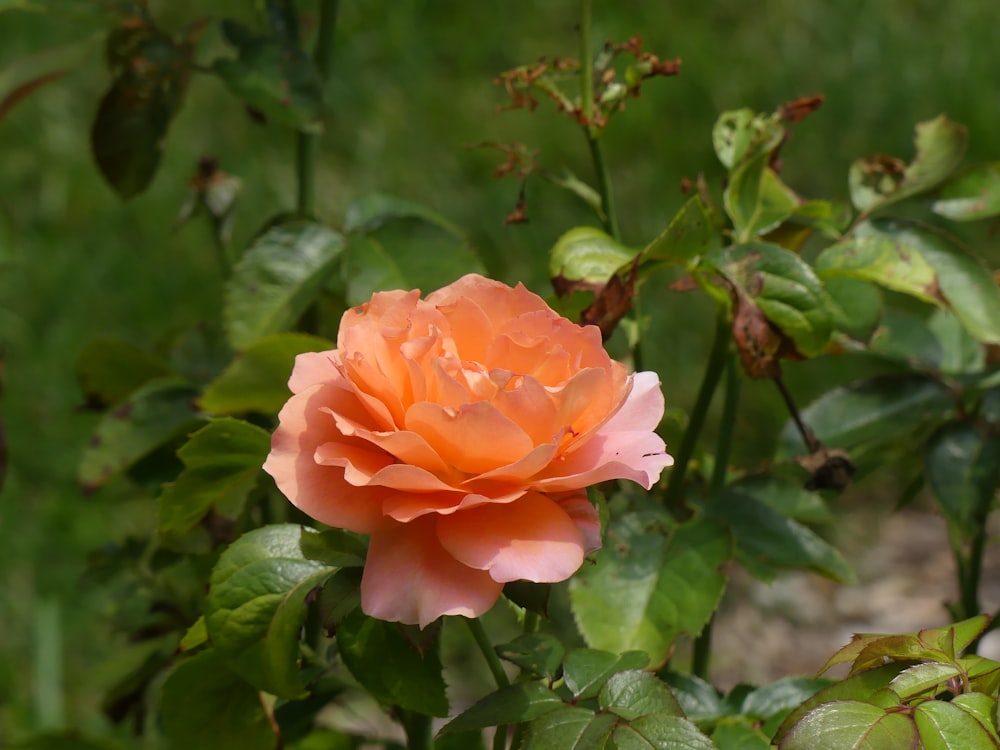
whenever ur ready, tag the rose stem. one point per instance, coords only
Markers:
(308, 143)
(418, 729)
(702, 650)
(610, 217)
(592, 133)
(499, 675)
(674, 497)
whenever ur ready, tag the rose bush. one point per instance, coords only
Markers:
(460, 431)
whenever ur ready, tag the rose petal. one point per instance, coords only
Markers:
(405, 506)
(531, 539)
(313, 368)
(524, 401)
(642, 410)
(410, 578)
(473, 438)
(637, 456)
(624, 447)
(410, 478)
(319, 491)
(584, 515)
(359, 463)
(408, 447)
(469, 327)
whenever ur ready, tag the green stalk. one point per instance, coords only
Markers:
(418, 730)
(610, 218)
(674, 497)
(308, 143)
(496, 668)
(532, 621)
(702, 650)
(487, 650)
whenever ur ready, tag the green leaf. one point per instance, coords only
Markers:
(67, 740)
(963, 284)
(660, 732)
(960, 352)
(161, 410)
(539, 653)
(858, 687)
(277, 278)
(339, 597)
(944, 726)
(904, 337)
(132, 120)
(739, 735)
(981, 706)
(784, 287)
(765, 539)
(690, 233)
(109, 370)
(757, 200)
(851, 725)
(587, 255)
(878, 181)
(781, 695)
(787, 498)
(963, 470)
(659, 586)
(874, 416)
(277, 79)
(856, 306)
(972, 194)
(922, 678)
(196, 635)
(883, 260)
(522, 701)
(334, 547)
(636, 693)
(983, 674)
(390, 666)
(932, 644)
(221, 464)
(586, 670)
(368, 268)
(372, 211)
(700, 701)
(570, 728)
(257, 379)
(398, 244)
(256, 606)
(203, 704)
(741, 134)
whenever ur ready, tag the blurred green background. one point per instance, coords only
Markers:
(412, 92)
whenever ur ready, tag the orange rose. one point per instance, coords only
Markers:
(460, 432)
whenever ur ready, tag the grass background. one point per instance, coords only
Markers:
(412, 90)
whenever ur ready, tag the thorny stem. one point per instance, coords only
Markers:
(674, 497)
(702, 651)
(812, 444)
(308, 143)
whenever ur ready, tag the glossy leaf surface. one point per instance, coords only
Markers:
(659, 586)
(277, 278)
(256, 606)
(257, 379)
